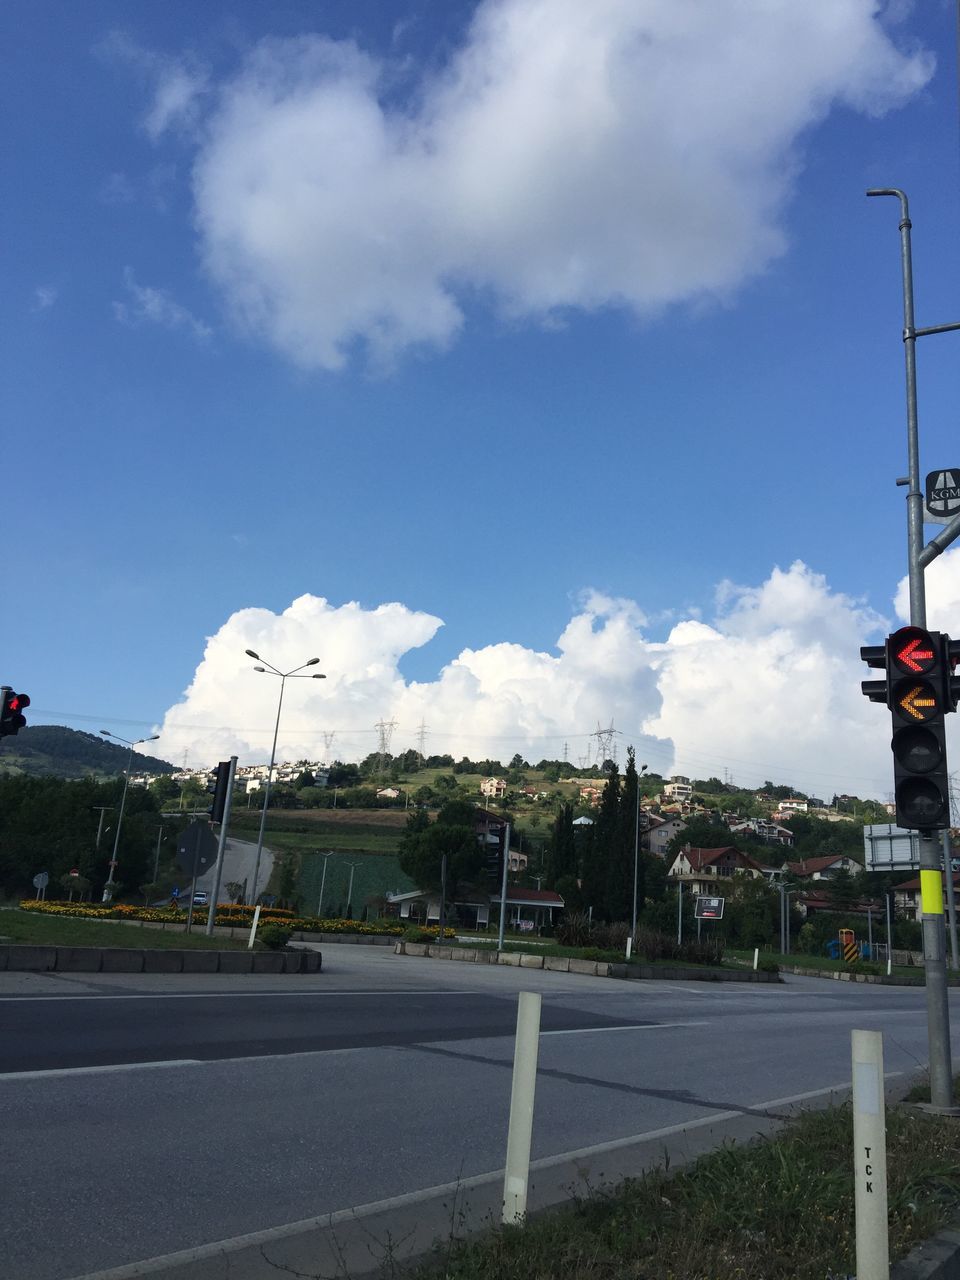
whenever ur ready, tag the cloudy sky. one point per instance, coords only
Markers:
(535, 365)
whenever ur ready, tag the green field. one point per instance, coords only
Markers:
(375, 875)
(24, 926)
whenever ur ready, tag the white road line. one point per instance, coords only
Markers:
(225, 995)
(236, 1243)
(96, 1071)
(627, 1026)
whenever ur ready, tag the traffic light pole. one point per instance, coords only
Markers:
(931, 861)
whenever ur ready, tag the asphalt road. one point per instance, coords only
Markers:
(185, 1111)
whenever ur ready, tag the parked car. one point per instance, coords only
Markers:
(200, 899)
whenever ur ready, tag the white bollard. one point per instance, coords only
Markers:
(756, 958)
(629, 946)
(253, 927)
(870, 1156)
(520, 1132)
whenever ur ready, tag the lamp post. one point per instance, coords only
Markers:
(269, 669)
(636, 854)
(353, 866)
(107, 888)
(323, 881)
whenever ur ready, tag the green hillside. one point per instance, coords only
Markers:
(52, 750)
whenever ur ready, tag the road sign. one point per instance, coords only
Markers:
(708, 908)
(197, 849)
(942, 496)
(41, 879)
(890, 848)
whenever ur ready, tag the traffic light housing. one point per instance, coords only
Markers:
(12, 719)
(919, 692)
(218, 784)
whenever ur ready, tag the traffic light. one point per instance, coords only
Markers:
(919, 691)
(218, 784)
(874, 655)
(12, 719)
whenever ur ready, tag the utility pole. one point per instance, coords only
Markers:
(918, 557)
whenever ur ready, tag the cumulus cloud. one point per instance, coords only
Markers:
(627, 153)
(768, 688)
(155, 306)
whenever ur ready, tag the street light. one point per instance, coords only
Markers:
(123, 800)
(636, 853)
(269, 669)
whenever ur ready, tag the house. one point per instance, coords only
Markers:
(823, 868)
(811, 902)
(661, 832)
(677, 789)
(704, 870)
(792, 805)
(763, 828)
(591, 795)
(906, 896)
(517, 861)
(493, 788)
(389, 793)
(536, 906)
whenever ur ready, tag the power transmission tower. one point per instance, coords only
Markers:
(328, 738)
(566, 752)
(606, 746)
(421, 740)
(385, 729)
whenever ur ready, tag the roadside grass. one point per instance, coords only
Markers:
(805, 961)
(337, 840)
(549, 948)
(777, 1209)
(51, 931)
(921, 1092)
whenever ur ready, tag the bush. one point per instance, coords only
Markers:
(575, 929)
(275, 936)
(767, 964)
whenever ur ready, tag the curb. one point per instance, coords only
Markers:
(27, 958)
(845, 975)
(590, 968)
(936, 1259)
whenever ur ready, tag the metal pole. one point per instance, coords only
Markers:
(870, 932)
(679, 912)
(934, 950)
(156, 858)
(951, 898)
(353, 866)
(887, 897)
(503, 888)
(636, 861)
(116, 838)
(266, 798)
(443, 898)
(323, 881)
(221, 848)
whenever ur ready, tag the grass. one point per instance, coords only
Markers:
(24, 926)
(823, 962)
(779, 1209)
(921, 1092)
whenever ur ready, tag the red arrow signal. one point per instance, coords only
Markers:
(915, 653)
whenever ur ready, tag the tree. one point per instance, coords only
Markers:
(304, 779)
(842, 890)
(454, 834)
(606, 833)
(562, 849)
(620, 858)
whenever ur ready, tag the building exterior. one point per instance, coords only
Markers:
(493, 788)
(525, 907)
(906, 897)
(823, 868)
(677, 789)
(705, 870)
(661, 832)
(786, 807)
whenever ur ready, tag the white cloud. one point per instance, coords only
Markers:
(942, 586)
(155, 306)
(44, 297)
(628, 153)
(177, 85)
(770, 688)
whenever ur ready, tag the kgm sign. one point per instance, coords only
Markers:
(943, 496)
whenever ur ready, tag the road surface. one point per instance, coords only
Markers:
(195, 1109)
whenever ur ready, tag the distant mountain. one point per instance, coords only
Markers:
(52, 750)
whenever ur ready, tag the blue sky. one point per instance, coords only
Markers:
(689, 374)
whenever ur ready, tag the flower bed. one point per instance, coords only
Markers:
(228, 915)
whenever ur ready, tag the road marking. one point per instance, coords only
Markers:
(94, 1071)
(227, 995)
(627, 1026)
(254, 1238)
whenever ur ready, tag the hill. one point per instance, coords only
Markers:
(52, 750)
